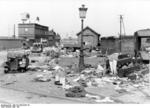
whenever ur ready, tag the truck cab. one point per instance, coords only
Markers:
(141, 46)
(37, 48)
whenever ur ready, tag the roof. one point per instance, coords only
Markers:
(117, 37)
(143, 32)
(109, 37)
(90, 30)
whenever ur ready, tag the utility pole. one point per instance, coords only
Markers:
(120, 32)
(14, 32)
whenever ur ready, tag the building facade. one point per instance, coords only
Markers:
(53, 38)
(33, 32)
(90, 37)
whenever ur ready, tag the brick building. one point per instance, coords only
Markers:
(90, 37)
(32, 31)
(35, 32)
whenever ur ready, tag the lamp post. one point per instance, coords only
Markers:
(82, 13)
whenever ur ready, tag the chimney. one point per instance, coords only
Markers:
(14, 36)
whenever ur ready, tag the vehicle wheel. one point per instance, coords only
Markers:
(6, 71)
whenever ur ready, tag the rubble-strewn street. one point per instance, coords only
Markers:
(37, 84)
(62, 51)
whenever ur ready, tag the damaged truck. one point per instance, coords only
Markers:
(17, 61)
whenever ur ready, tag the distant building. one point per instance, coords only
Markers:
(69, 40)
(70, 43)
(90, 37)
(57, 38)
(53, 38)
(33, 32)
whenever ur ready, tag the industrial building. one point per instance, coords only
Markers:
(28, 33)
(33, 32)
(111, 44)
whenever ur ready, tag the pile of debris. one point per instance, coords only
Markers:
(44, 77)
(85, 83)
(76, 91)
(53, 52)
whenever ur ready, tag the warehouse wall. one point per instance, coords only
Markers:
(112, 45)
(128, 45)
(10, 44)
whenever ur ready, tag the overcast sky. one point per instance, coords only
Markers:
(63, 15)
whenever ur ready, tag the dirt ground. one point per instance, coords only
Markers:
(24, 83)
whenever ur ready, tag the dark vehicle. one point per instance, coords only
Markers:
(126, 65)
(141, 47)
(37, 48)
(16, 62)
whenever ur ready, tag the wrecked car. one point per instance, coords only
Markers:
(16, 62)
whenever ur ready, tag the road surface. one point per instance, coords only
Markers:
(19, 97)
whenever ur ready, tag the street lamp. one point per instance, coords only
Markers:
(82, 13)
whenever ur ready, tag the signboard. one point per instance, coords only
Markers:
(25, 16)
